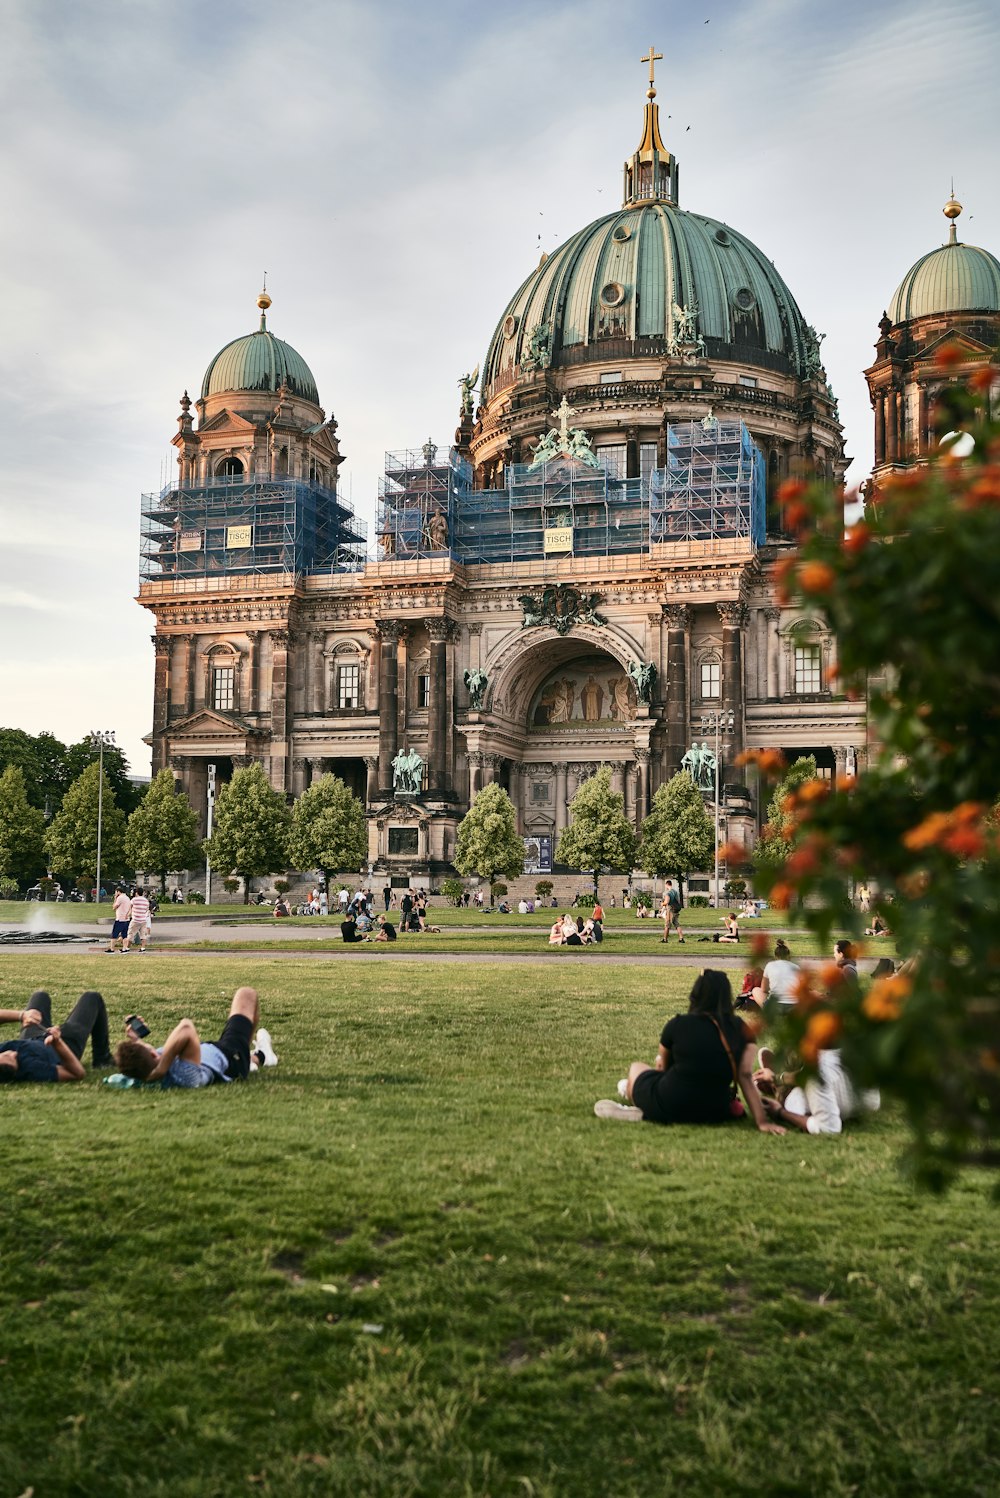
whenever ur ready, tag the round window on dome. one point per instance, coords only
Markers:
(509, 325)
(613, 294)
(744, 299)
(721, 237)
(622, 233)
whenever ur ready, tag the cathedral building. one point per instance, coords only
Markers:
(584, 576)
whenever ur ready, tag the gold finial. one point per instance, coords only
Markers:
(653, 58)
(263, 302)
(951, 211)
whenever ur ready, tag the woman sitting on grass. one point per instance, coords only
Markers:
(556, 937)
(702, 1055)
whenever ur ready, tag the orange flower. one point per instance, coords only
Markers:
(760, 946)
(768, 761)
(732, 852)
(803, 862)
(821, 1032)
(784, 571)
(814, 790)
(857, 538)
(964, 842)
(958, 832)
(781, 896)
(983, 378)
(816, 577)
(796, 514)
(886, 998)
(831, 976)
(948, 356)
(790, 490)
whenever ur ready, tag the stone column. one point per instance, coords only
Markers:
(560, 808)
(879, 428)
(298, 776)
(163, 645)
(840, 763)
(315, 767)
(628, 778)
(317, 674)
(279, 709)
(678, 621)
(440, 631)
(475, 775)
(515, 788)
(893, 425)
(642, 796)
(618, 779)
(922, 440)
(191, 642)
(733, 616)
(371, 783)
(253, 671)
(772, 616)
(389, 631)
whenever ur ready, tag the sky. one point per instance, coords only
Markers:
(396, 169)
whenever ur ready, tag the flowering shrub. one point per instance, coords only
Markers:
(912, 593)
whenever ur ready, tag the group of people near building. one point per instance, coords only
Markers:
(710, 1055)
(47, 1052)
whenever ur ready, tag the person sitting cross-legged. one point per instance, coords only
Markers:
(44, 1052)
(185, 1060)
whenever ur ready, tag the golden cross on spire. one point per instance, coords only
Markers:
(653, 58)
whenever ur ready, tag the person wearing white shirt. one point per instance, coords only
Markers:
(780, 975)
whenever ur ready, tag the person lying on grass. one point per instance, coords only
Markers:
(188, 1061)
(702, 1056)
(44, 1052)
(819, 1104)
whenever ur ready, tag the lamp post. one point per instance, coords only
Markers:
(211, 815)
(719, 723)
(98, 739)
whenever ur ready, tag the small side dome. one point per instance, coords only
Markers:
(955, 277)
(259, 362)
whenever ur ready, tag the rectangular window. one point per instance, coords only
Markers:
(808, 668)
(348, 686)
(711, 679)
(749, 382)
(647, 461)
(423, 690)
(223, 687)
(611, 377)
(612, 460)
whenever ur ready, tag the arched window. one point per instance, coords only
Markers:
(229, 468)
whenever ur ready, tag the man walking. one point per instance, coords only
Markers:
(119, 926)
(671, 912)
(139, 921)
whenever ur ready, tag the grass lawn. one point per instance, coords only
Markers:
(410, 1261)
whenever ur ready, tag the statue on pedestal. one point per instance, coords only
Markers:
(407, 772)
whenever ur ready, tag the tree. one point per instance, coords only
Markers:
(71, 841)
(773, 847)
(22, 829)
(116, 768)
(329, 831)
(42, 758)
(163, 831)
(488, 842)
(251, 829)
(678, 835)
(600, 835)
(911, 591)
(453, 891)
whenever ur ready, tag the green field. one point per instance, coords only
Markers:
(410, 1261)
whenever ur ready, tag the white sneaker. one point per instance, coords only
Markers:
(264, 1044)
(623, 1089)
(607, 1108)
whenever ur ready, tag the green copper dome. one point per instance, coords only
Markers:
(645, 280)
(259, 361)
(953, 278)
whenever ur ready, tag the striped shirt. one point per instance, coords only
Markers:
(140, 908)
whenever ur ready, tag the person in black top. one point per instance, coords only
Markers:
(44, 1052)
(702, 1054)
(349, 929)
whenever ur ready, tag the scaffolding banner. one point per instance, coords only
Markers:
(238, 537)
(558, 539)
(190, 541)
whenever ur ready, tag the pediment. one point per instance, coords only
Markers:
(954, 338)
(210, 723)
(227, 421)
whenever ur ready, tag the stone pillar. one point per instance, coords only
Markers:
(191, 642)
(893, 426)
(298, 776)
(642, 795)
(840, 762)
(440, 631)
(475, 775)
(618, 779)
(162, 644)
(772, 616)
(879, 428)
(253, 672)
(317, 674)
(515, 788)
(733, 616)
(628, 778)
(678, 621)
(279, 709)
(315, 768)
(389, 631)
(922, 439)
(560, 807)
(371, 783)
